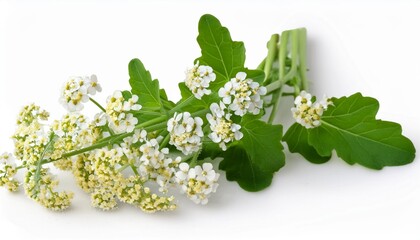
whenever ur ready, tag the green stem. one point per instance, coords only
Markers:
(200, 113)
(275, 100)
(283, 54)
(39, 164)
(297, 71)
(83, 150)
(20, 167)
(295, 59)
(151, 122)
(182, 104)
(97, 104)
(114, 139)
(194, 159)
(271, 55)
(273, 86)
(165, 141)
(134, 169)
(152, 125)
(302, 58)
(156, 127)
(123, 167)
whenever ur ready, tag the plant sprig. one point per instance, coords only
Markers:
(141, 144)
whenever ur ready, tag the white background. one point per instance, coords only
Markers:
(367, 46)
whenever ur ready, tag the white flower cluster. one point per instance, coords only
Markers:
(116, 109)
(31, 135)
(185, 132)
(222, 127)
(308, 113)
(155, 165)
(73, 131)
(198, 182)
(76, 91)
(8, 171)
(243, 95)
(198, 80)
(70, 125)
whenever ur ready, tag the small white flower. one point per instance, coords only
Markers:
(242, 95)
(138, 136)
(218, 109)
(100, 119)
(325, 102)
(304, 98)
(198, 80)
(185, 132)
(183, 173)
(93, 86)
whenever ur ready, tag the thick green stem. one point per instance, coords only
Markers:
(271, 56)
(273, 86)
(295, 40)
(302, 59)
(275, 100)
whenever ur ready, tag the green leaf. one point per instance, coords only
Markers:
(263, 143)
(255, 75)
(239, 167)
(297, 139)
(126, 95)
(167, 104)
(143, 86)
(259, 155)
(209, 150)
(225, 56)
(350, 127)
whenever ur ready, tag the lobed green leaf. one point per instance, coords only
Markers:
(219, 51)
(259, 155)
(350, 127)
(143, 86)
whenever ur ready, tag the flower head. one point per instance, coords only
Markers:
(117, 110)
(198, 80)
(224, 130)
(8, 171)
(243, 95)
(308, 113)
(198, 182)
(186, 132)
(40, 186)
(76, 91)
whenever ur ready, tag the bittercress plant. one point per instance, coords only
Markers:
(140, 144)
